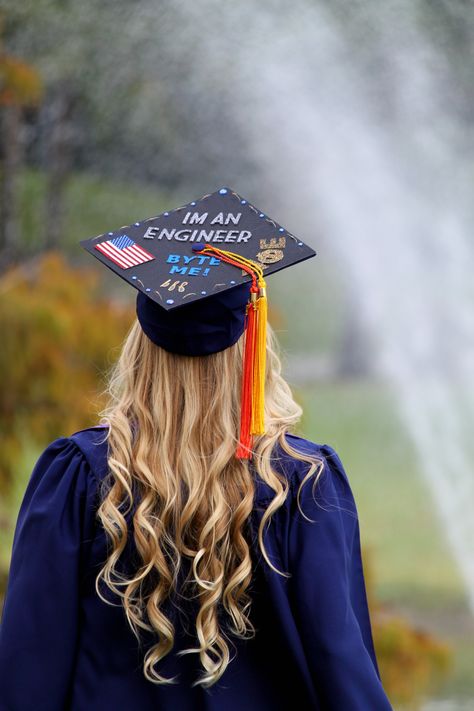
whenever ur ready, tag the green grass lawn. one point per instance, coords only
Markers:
(398, 521)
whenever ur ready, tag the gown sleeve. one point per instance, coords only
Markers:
(39, 627)
(329, 595)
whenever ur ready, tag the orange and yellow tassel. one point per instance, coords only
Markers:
(259, 370)
(244, 448)
(252, 421)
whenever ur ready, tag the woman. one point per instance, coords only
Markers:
(61, 645)
(154, 569)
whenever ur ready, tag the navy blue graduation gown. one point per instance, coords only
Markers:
(62, 647)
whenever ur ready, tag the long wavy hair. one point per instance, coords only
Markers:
(173, 422)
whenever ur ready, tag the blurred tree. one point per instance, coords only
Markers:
(60, 142)
(60, 335)
(156, 118)
(20, 87)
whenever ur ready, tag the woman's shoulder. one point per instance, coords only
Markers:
(64, 475)
(326, 453)
(323, 454)
(332, 491)
(92, 444)
(294, 463)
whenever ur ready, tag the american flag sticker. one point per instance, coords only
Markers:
(124, 252)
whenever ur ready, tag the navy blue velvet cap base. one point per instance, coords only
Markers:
(198, 328)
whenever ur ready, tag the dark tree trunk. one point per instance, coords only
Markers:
(10, 163)
(59, 156)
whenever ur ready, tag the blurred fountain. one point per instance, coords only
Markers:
(358, 128)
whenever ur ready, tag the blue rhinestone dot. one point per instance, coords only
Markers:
(134, 277)
(166, 213)
(203, 292)
(300, 244)
(232, 282)
(261, 215)
(170, 301)
(137, 223)
(193, 203)
(110, 233)
(280, 229)
(243, 202)
(148, 289)
(223, 191)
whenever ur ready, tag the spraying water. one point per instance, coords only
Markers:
(375, 155)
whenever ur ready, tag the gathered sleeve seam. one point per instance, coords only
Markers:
(91, 471)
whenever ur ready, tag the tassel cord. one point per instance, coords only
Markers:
(254, 360)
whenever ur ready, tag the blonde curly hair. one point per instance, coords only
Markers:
(173, 422)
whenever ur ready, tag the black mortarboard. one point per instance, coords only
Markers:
(200, 274)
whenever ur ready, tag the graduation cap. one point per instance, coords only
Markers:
(200, 273)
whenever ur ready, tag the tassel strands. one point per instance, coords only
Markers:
(260, 352)
(244, 448)
(254, 360)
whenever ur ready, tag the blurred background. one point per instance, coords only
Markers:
(351, 124)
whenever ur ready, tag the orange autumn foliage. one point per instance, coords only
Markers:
(20, 84)
(59, 337)
(411, 660)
